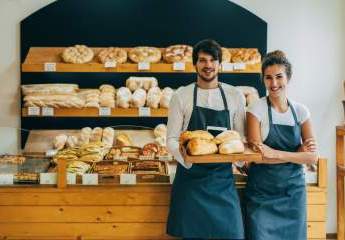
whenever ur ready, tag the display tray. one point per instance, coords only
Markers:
(31, 165)
(249, 156)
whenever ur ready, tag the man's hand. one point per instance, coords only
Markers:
(309, 145)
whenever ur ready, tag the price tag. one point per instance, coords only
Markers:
(121, 158)
(104, 111)
(165, 158)
(71, 178)
(6, 179)
(50, 67)
(227, 67)
(128, 179)
(239, 66)
(144, 66)
(179, 66)
(47, 111)
(51, 152)
(110, 64)
(90, 179)
(48, 178)
(144, 112)
(33, 111)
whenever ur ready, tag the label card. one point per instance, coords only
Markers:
(227, 67)
(90, 179)
(144, 112)
(33, 111)
(128, 179)
(144, 66)
(165, 158)
(239, 66)
(6, 179)
(48, 178)
(71, 178)
(110, 64)
(47, 111)
(50, 67)
(179, 66)
(51, 152)
(104, 111)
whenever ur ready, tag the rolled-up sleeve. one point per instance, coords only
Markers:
(175, 127)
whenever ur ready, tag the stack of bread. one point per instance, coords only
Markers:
(91, 97)
(201, 142)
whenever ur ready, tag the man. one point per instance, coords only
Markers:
(204, 201)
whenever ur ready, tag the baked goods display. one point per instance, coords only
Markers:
(77, 167)
(77, 54)
(123, 140)
(178, 53)
(54, 100)
(145, 54)
(113, 168)
(112, 54)
(56, 88)
(107, 96)
(245, 55)
(147, 167)
(133, 83)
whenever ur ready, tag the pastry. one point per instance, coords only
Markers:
(200, 134)
(123, 140)
(145, 54)
(77, 54)
(227, 136)
(197, 146)
(153, 97)
(111, 54)
(123, 97)
(60, 141)
(233, 146)
(167, 94)
(138, 98)
(178, 53)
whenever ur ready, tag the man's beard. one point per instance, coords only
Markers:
(207, 79)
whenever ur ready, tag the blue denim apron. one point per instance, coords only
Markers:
(275, 193)
(204, 201)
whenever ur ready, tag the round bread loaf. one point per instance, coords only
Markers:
(145, 54)
(118, 55)
(77, 54)
(178, 53)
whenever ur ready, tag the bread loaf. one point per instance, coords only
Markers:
(123, 97)
(138, 98)
(153, 97)
(197, 146)
(227, 136)
(233, 146)
(200, 134)
(60, 141)
(167, 94)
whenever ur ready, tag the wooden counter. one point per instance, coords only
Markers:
(118, 212)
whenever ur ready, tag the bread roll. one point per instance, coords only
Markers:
(72, 141)
(160, 130)
(200, 134)
(123, 97)
(60, 141)
(197, 146)
(108, 137)
(96, 135)
(149, 82)
(227, 136)
(167, 94)
(233, 146)
(138, 98)
(153, 97)
(85, 135)
(134, 83)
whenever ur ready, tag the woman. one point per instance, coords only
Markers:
(275, 193)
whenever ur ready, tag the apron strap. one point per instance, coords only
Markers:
(221, 92)
(270, 111)
(293, 112)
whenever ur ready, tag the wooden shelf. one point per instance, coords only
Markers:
(94, 112)
(39, 56)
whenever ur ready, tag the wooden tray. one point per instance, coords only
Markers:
(249, 155)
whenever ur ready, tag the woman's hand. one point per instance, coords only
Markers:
(309, 145)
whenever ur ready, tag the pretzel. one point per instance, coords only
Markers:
(145, 54)
(178, 53)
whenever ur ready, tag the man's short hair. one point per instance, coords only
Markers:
(208, 46)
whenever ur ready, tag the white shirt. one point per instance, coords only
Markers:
(260, 110)
(181, 107)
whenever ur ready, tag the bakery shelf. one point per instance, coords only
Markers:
(94, 112)
(38, 56)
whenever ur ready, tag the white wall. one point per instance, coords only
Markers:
(311, 32)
